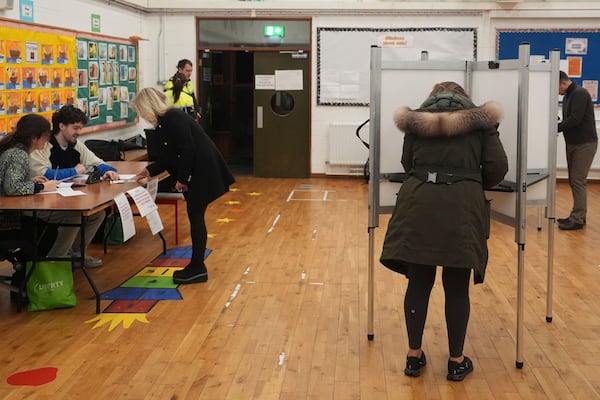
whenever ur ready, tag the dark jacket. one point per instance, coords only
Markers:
(452, 152)
(191, 157)
(578, 124)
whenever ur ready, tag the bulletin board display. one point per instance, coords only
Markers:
(37, 72)
(106, 80)
(579, 51)
(344, 56)
(43, 68)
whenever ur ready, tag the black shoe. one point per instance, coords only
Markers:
(190, 275)
(570, 225)
(414, 365)
(457, 371)
(563, 220)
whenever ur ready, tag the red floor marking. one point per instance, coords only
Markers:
(34, 377)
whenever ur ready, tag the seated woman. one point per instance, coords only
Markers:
(32, 132)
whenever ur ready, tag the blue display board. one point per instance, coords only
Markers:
(579, 51)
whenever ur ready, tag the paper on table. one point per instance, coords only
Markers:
(68, 192)
(127, 177)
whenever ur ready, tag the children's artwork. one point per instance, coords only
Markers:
(43, 78)
(102, 51)
(102, 96)
(11, 123)
(57, 78)
(29, 78)
(102, 79)
(82, 50)
(93, 70)
(93, 50)
(3, 130)
(112, 51)
(116, 93)
(124, 93)
(14, 52)
(82, 104)
(109, 98)
(2, 47)
(2, 104)
(69, 96)
(94, 109)
(44, 101)
(13, 78)
(13, 101)
(29, 102)
(63, 54)
(57, 102)
(132, 74)
(123, 72)
(109, 74)
(69, 77)
(82, 78)
(122, 53)
(131, 53)
(115, 72)
(47, 54)
(32, 52)
(93, 89)
(124, 110)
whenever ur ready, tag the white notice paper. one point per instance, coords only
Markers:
(143, 200)
(126, 216)
(152, 188)
(288, 79)
(154, 222)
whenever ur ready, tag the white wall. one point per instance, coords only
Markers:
(170, 34)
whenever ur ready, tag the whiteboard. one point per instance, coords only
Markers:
(343, 56)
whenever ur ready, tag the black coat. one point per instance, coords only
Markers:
(445, 223)
(579, 123)
(189, 155)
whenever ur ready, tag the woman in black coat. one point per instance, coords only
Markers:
(191, 157)
(451, 152)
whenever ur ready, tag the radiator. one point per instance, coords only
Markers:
(344, 147)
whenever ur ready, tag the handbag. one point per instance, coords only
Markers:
(50, 285)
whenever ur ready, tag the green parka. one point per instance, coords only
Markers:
(451, 151)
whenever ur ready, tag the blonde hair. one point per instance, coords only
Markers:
(450, 87)
(150, 104)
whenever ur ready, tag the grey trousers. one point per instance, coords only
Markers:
(579, 162)
(68, 238)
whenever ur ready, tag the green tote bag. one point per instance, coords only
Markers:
(50, 285)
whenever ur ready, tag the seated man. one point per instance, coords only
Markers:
(62, 157)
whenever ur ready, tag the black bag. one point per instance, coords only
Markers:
(105, 149)
(133, 143)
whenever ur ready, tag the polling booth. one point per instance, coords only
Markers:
(527, 90)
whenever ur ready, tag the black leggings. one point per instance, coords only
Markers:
(456, 289)
(198, 233)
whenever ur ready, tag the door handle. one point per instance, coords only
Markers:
(259, 117)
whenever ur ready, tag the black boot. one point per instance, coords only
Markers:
(190, 274)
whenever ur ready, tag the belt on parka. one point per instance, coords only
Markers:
(445, 175)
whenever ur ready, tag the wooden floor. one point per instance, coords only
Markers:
(284, 313)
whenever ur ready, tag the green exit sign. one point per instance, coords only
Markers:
(274, 30)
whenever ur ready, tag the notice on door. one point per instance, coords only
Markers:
(264, 82)
(288, 79)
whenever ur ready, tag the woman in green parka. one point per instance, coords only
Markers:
(451, 152)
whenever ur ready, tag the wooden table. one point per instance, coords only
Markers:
(98, 197)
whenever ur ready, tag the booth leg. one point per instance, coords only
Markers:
(371, 285)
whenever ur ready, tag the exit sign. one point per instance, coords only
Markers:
(274, 30)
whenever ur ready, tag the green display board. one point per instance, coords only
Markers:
(107, 80)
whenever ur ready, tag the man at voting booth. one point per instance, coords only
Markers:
(578, 126)
(62, 157)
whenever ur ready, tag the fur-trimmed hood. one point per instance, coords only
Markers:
(449, 120)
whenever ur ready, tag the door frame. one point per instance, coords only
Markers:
(255, 49)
